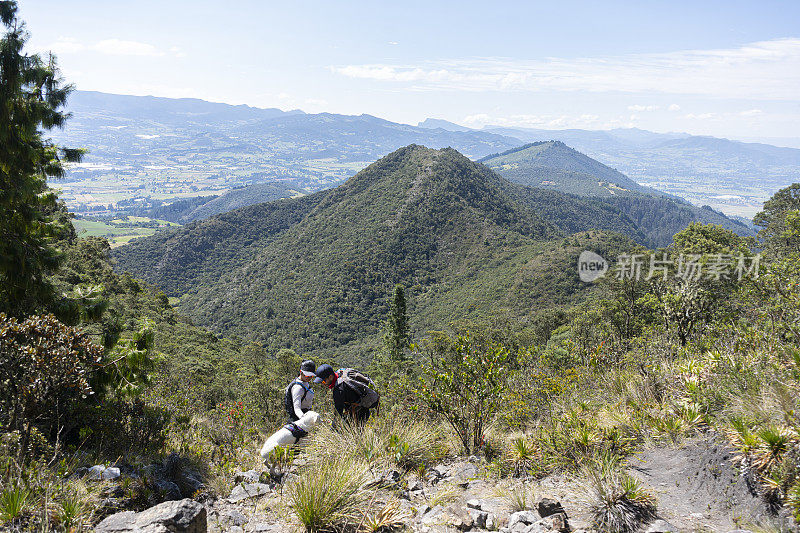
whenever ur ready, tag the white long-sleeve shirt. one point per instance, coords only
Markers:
(299, 403)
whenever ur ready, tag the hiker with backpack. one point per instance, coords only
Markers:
(297, 400)
(354, 394)
(299, 395)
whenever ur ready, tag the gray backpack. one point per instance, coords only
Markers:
(362, 384)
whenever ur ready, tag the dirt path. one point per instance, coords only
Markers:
(698, 486)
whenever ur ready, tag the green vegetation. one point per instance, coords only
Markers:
(554, 165)
(527, 368)
(645, 215)
(446, 228)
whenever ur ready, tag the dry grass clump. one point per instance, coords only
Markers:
(405, 443)
(330, 495)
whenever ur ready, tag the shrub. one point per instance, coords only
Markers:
(464, 381)
(44, 365)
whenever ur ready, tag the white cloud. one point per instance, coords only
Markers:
(674, 107)
(766, 70)
(536, 121)
(642, 107)
(117, 47)
(751, 113)
(701, 116)
(112, 47)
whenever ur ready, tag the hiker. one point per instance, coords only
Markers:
(354, 394)
(299, 395)
(297, 401)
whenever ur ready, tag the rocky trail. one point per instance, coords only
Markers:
(696, 485)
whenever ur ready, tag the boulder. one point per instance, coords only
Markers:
(232, 517)
(522, 517)
(96, 472)
(478, 518)
(555, 522)
(182, 516)
(112, 472)
(491, 522)
(547, 507)
(474, 504)
(168, 490)
(248, 490)
(251, 476)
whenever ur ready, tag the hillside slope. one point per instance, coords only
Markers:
(313, 272)
(553, 166)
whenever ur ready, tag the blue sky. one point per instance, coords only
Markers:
(729, 69)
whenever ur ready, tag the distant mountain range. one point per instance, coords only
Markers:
(149, 151)
(732, 176)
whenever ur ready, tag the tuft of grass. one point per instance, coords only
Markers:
(390, 517)
(14, 501)
(617, 501)
(329, 494)
(446, 494)
(408, 444)
(75, 509)
(519, 498)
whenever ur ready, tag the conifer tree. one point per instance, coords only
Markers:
(395, 335)
(32, 96)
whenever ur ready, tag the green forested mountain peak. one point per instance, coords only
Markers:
(313, 273)
(554, 165)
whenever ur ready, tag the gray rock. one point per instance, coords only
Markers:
(463, 471)
(117, 522)
(392, 477)
(547, 507)
(415, 485)
(96, 472)
(236, 529)
(519, 527)
(247, 490)
(232, 517)
(474, 504)
(522, 517)
(536, 528)
(661, 526)
(251, 476)
(491, 521)
(432, 516)
(168, 490)
(112, 472)
(261, 527)
(478, 517)
(555, 522)
(463, 523)
(183, 516)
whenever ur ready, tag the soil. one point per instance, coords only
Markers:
(699, 487)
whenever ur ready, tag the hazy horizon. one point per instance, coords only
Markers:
(722, 69)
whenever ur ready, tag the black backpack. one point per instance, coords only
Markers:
(288, 402)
